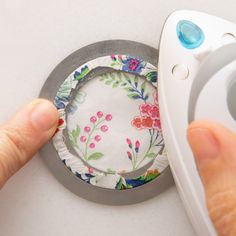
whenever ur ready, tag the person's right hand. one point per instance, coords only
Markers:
(214, 148)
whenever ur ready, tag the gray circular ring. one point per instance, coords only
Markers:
(48, 152)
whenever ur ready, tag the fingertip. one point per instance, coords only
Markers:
(203, 143)
(213, 147)
(44, 115)
(225, 136)
(201, 124)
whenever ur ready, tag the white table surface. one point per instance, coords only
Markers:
(34, 37)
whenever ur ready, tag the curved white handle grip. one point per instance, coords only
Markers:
(215, 62)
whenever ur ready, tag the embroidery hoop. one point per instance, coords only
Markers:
(73, 62)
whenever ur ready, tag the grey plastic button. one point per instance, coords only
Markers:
(180, 71)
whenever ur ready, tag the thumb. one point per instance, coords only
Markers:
(24, 134)
(214, 148)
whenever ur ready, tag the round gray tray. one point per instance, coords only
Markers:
(48, 152)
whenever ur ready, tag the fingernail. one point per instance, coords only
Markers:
(203, 143)
(44, 115)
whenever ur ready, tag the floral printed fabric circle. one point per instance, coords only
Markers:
(113, 123)
(120, 138)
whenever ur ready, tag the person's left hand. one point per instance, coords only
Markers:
(24, 134)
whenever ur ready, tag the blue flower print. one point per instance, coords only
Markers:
(133, 65)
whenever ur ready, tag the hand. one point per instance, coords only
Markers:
(214, 148)
(24, 134)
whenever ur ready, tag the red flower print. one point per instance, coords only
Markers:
(145, 108)
(137, 122)
(149, 117)
(154, 112)
(157, 124)
(60, 122)
(147, 122)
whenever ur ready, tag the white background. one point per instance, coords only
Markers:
(34, 37)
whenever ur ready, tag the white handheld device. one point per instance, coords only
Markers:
(197, 80)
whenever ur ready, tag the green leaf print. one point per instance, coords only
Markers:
(73, 135)
(134, 87)
(151, 155)
(95, 156)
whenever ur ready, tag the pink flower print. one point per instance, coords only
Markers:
(87, 129)
(104, 128)
(99, 114)
(154, 112)
(133, 153)
(133, 64)
(129, 142)
(93, 119)
(129, 155)
(92, 145)
(145, 108)
(97, 138)
(137, 122)
(90, 135)
(83, 139)
(108, 117)
(137, 145)
(113, 57)
(157, 124)
(155, 97)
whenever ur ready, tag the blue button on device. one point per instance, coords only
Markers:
(189, 34)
